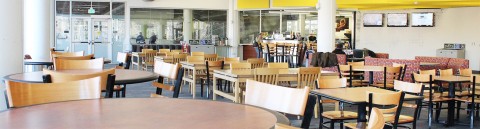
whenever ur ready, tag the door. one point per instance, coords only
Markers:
(92, 35)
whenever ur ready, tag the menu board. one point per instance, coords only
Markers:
(397, 20)
(422, 19)
(373, 20)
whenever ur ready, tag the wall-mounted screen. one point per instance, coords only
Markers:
(373, 20)
(397, 20)
(422, 19)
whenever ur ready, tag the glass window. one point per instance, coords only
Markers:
(81, 8)
(62, 25)
(270, 21)
(167, 24)
(290, 23)
(249, 26)
(208, 24)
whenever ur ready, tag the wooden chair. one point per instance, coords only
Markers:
(472, 100)
(147, 49)
(123, 60)
(63, 64)
(210, 65)
(385, 100)
(237, 66)
(195, 59)
(358, 76)
(307, 76)
(282, 99)
(107, 79)
(231, 59)
(256, 62)
(271, 51)
(177, 58)
(414, 89)
(197, 54)
(21, 94)
(339, 115)
(432, 72)
(266, 75)
(376, 120)
(79, 53)
(355, 79)
(211, 57)
(465, 72)
(179, 51)
(170, 71)
(431, 97)
(164, 50)
(403, 68)
(389, 75)
(87, 57)
(278, 65)
(446, 72)
(148, 59)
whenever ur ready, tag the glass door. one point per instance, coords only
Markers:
(92, 35)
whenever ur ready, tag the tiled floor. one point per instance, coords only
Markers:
(144, 89)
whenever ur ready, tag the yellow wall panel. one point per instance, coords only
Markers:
(294, 3)
(253, 4)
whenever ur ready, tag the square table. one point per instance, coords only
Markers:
(451, 80)
(237, 76)
(369, 69)
(356, 96)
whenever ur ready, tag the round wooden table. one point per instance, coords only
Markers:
(123, 76)
(49, 62)
(141, 113)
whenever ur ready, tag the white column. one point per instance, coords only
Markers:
(233, 32)
(187, 25)
(11, 41)
(301, 24)
(37, 26)
(127, 42)
(326, 25)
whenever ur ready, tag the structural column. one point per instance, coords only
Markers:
(37, 28)
(326, 25)
(11, 40)
(187, 25)
(301, 24)
(233, 32)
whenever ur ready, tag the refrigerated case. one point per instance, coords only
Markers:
(451, 53)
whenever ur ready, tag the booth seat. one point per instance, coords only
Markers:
(444, 63)
(382, 55)
(412, 66)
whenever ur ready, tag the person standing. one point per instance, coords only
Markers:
(256, 43)
(153, 38)
(140, 39)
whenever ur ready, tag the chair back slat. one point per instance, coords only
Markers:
(21, 94)
(278, 65)
(277, 98)
(65, 64)
(166, 70)
(195, 59)
(87, 57)
(235, 66)
(446, 72)
(197, 54)
(177, 58)
(466, 72)
(256, 62)
(211, 57)
(307, 76)
(408, 87)
(376, 119)
(59, 77)
(266, 75)
(331, 83)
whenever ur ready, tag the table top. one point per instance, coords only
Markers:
(452, 79)
(122, 76)
(368, 68)
(355, 95)
(138, 113)
(249, 73)
(203, 63)
(50, 62)
(428, 64)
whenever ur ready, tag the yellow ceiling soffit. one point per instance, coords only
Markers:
(293, 3)
(252, 4)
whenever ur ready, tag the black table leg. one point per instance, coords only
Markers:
(451, 104)
(362, 116)
(370, 79)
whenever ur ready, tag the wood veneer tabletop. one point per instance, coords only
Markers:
(50, 62)
(452, 79)
(140, 113)
(248, 73)
(355, 95)
(367, 68)
(122, 76)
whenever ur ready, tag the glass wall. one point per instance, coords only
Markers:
(249, 25)
(167, 24)
(208, 24)
(62, 25)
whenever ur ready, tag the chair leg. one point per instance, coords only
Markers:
(459, 104)
(201, 87)
(437, 112)
(124, 90)
(419, 110)
(117, 94)
(341, 125)
(332, 124)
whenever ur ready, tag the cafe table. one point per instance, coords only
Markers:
(140, 113)
(191, 77)
(452, 81)
(122, 76)
(356, 96)
(238, 76)
(369, 69)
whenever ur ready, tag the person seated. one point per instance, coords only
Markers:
(338, 49)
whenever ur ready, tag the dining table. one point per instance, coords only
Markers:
(356, 96)
(369, 69)
(141, 113)
(238, 76)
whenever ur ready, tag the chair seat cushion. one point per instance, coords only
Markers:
(336, 115)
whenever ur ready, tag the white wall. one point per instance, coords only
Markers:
(11, 40)
(455, 25)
